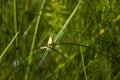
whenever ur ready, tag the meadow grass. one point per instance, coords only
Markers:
(86, 40)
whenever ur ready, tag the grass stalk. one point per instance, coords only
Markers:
(15, 22)
(16, 29)
(29, 27)
(84, 68)
(61, 32)
(33, 41)
(5, 50)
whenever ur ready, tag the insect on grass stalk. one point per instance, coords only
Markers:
(61, 31)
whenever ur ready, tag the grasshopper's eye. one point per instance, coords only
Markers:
(50, 41)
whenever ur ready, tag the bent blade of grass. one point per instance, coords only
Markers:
(33, 41)
(5, 50)
(61, 32)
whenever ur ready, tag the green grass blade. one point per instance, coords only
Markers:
(33, 42)
(3, 53)
(29, 27)
(82, 58)
(15, 21)
(61, 32)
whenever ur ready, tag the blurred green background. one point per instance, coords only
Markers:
(88, 49)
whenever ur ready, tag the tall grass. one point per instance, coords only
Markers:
(33, 41)
(86, 40)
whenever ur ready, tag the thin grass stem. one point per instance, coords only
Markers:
(61, 32)
(33, 41)
(84, 68)
(5, 50)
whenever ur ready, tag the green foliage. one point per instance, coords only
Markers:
(86, 40)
